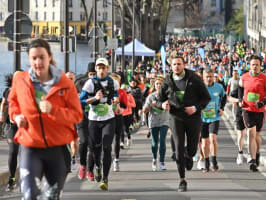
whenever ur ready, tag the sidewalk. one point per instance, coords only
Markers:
(229, 119)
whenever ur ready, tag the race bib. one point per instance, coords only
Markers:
(209, 111)
(253, 97)
(180, 95)
(101, 109)
(157, 110)
(87, 108)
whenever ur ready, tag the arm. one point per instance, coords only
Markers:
(204, 96)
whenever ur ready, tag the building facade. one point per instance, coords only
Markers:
(256, 24)
(48, 15)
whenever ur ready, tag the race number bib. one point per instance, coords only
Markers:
(180, 95)
(253, 97)
(157, 110)
(101, 109)
(209, 111)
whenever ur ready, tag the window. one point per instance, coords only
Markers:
(213, 3)
(53, 3)
(36, 3)
(44, 15)
(1, 16)
(36, 15)
(105, 4)
(53, 16)
(45, 3)
(70, 3)
(105, 16)
(70, 16)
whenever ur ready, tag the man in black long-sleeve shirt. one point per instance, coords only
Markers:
(184, 94)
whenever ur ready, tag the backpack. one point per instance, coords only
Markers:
(4, 104)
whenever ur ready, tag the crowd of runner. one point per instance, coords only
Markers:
(199, 78)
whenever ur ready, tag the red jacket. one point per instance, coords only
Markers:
(58, 126)
(130, 104)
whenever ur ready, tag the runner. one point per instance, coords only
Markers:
(185, 95)
(158, 125)
(211, 119)
(100, 92)
(44, 104)
(252, 100)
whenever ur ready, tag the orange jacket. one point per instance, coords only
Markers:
(130, 104)
(58, 126)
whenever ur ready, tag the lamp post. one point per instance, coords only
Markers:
(66, 34)
(17, 34)
(95, 46)
(123, 37)
(113, 35)
(133, 37)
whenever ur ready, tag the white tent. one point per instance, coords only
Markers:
(140, 49)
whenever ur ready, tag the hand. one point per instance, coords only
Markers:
(153, 103)
(21, 121)
(45, 106)
(99, 95)
(118, 110)
(221, 112)
(259, 104)
(190, 110)
(166, 105)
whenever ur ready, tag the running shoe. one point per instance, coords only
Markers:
(82, 172)
(98, 174)
(201, 165)
(162, 166)
(240, 159)
(116, 165)
(90, 176)
(122, 145)
(73, 164)
(253, 166)
(173, 156)
(104, 184)
(11, 184)
(215, 168)
(154, 165)
(182, 186)
(129, 142)
(249, 158)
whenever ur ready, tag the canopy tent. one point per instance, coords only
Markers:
(140, 49)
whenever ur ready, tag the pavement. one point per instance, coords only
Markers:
(136, 180)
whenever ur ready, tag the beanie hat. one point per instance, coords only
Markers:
(91, 67)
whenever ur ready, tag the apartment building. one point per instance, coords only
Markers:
(48, 15)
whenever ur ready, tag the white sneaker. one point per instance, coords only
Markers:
(162, 166)
(240, 159)
(122, 145)
(249, 158)
(201, 165)
(154, 165)
(116, 165)
(129, 142)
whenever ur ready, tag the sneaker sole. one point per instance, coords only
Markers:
(253, 168)
(103, 186)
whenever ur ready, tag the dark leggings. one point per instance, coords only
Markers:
(10, 131)
(189, 127)
(84, 144)
(101, 135)
(118, 132)
(36, 163)
(128, 119)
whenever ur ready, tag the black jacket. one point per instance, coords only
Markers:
(196, 94)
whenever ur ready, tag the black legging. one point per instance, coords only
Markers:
(136, 111)
(85, 152)
(38, 162)
(190, 127)
(128, 119)
(10, 131)
(101, 135)
(118, 133)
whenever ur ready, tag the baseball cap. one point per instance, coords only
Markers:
(102, 61)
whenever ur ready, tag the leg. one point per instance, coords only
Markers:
(163, 133)
(155, 137)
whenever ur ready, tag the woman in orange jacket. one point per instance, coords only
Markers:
(44, 104)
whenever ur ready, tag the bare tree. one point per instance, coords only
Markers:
(88, 17)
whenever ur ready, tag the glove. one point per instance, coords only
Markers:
(259, 104)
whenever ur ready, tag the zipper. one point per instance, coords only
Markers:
(40, 117)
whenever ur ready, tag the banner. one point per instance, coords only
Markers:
(163, 58)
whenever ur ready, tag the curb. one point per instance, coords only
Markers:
(228, 117)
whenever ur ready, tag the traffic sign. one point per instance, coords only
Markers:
(26, 26)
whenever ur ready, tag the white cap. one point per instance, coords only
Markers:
(102, 61)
